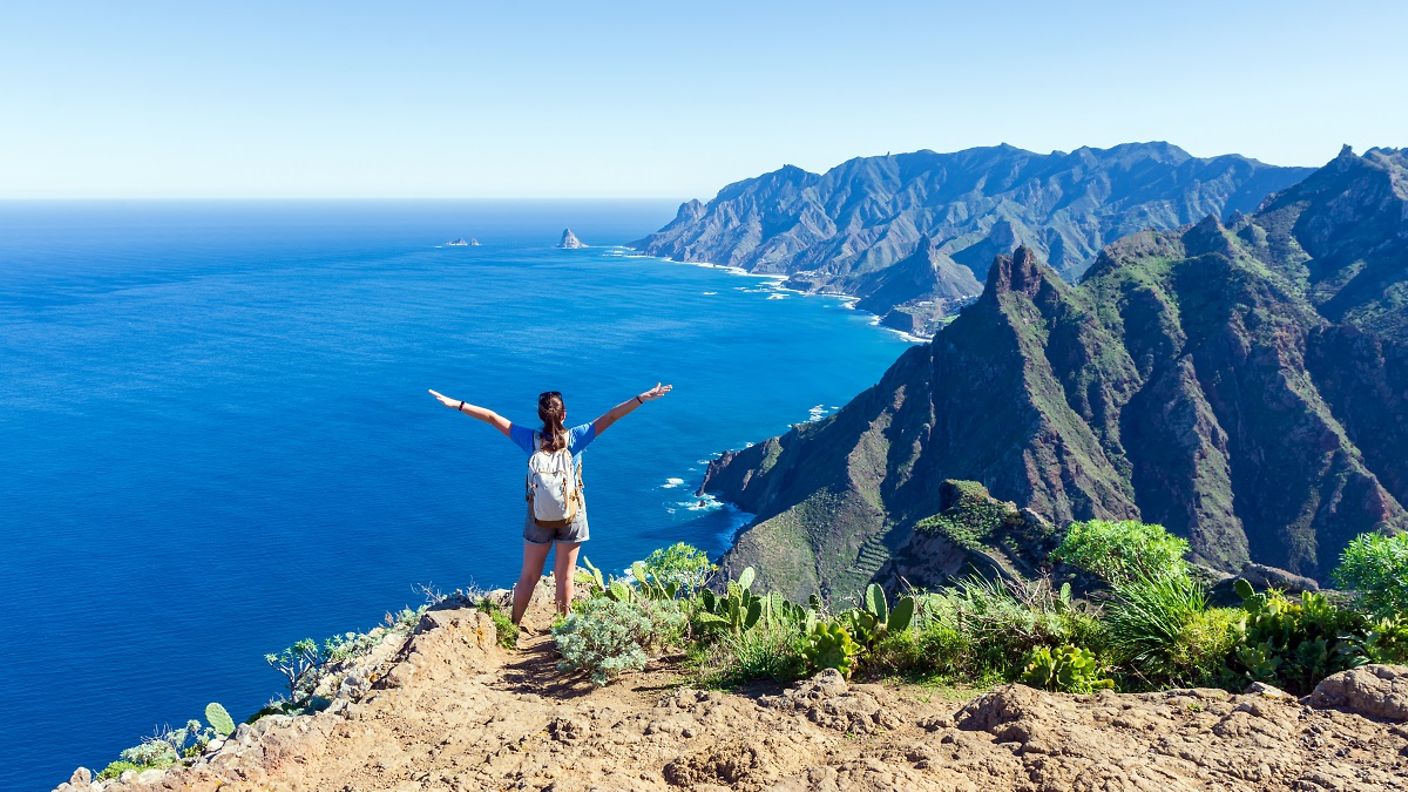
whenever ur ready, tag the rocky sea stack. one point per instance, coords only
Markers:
(570, 241)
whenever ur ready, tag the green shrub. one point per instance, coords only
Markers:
(505, 631)
(1066, 668)
(1375, 567)
(683, 568)
(898, 654)
(946, 651)
(1148, 619)
(874, 620)
(116, 769)
(1295, 644)
(151, 752)
(348, 646)
(973, 517)
(1386, 641)
(1004, 620)
(405, 620)
(299, 664)
(167, 746)
(771, 651)
(1198, 656)
(607, 638)
(1122, 550)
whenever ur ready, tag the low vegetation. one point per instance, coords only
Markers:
(1151, 627)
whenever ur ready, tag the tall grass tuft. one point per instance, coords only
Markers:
(1148, 618)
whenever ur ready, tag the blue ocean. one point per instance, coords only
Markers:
(215, 436)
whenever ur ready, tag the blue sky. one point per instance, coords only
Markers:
(669, 99)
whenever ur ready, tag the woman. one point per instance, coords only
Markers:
(554, 436)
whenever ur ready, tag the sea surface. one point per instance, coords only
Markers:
(215, 436)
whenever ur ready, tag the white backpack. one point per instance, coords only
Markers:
(554, 488)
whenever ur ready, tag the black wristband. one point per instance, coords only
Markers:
(461, 407)
(639, 399)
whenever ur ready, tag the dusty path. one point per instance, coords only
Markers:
(451, 711)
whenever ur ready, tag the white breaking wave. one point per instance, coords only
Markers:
(776, 296)
(702, 503)
(671, 483)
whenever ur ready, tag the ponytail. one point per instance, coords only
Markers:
(551, 411)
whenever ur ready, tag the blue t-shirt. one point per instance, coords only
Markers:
(578, 438)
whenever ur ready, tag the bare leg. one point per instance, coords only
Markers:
(534, 556)
(564, 564)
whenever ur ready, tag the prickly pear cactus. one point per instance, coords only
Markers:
(901, 615)
(875, 602)
(219, 719)
(745, 578)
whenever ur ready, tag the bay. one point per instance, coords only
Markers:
(215, 437)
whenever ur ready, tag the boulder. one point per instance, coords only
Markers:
(1262, 576)
(1374, 691)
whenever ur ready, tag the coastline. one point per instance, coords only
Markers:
(290, 306)
(847, 302)
(742, 518)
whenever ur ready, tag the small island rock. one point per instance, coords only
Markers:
(570, 241)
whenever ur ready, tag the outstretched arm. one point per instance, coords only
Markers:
(616, 413)
(484, 414)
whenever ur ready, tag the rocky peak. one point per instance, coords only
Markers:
(692, 209)
(570, 241)
(836, 230)
(1003, 234)
(1208, 236)
(1021, 272)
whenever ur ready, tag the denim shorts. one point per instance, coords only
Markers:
(576, 531)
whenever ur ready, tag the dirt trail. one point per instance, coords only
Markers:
(449, 710)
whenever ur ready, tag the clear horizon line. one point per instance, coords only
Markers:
(56, 198)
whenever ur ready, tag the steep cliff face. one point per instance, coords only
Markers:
(1342, 236)
(842, 231)
(1188, 380)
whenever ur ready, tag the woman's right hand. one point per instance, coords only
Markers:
(453, 404)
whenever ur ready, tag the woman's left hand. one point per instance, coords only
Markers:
(656, 392)
(453, 404)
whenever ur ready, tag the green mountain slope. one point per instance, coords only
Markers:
(1188, 380)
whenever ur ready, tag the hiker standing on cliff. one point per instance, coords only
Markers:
(556, 508)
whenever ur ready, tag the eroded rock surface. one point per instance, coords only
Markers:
(452, 711)
(1377, 691)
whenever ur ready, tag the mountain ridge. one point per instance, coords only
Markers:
(1189, 379)
(840, 231)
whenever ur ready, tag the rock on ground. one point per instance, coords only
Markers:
(1377, 691)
